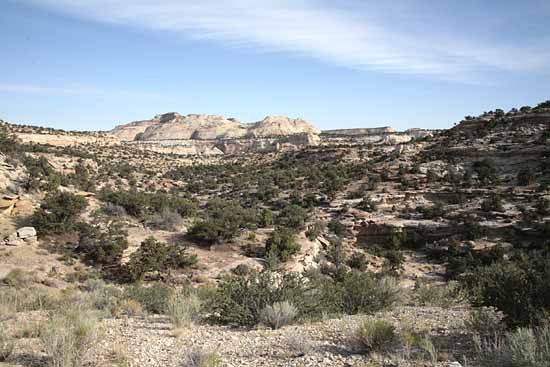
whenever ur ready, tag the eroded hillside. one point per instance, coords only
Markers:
(351, 226)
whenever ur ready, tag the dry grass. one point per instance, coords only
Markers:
(183, 309)
(278, 315)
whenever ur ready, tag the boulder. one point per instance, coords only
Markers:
(26, 232)
(21, 236)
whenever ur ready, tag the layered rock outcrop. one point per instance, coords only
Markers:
(173, 126)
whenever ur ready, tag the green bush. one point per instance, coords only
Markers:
(486, 171)
(42, 175)
(492, 204)
(292, 217)
(9, 144)
(361, 292)
(58, 213)
(240, 299)
(433, 212)
(142, 205)
(519, 288)
(315, 230)
(157, 257)
(103, 246)
(368, 205)
(82, 177)
(224, 220)
(358, 261)
(337, 228)
(282, 244)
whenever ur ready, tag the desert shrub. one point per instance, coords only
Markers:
(183, 308)
(485, 322)
(266, 218)
(82, 178)
(102, 296)
(9, 144)
(25, 299)
(241, 299)
(361, 292)
(278, 315)
(153, 298)
(18, 278)
(200, 358)
(371, 336)
(30, 329)
(7, 344)
(433, 212)
(299, 345)
(158, 257)
(519, 288)
(68, 338)
(525, 177)
(101, 245)
(58, 213)
(368, 205)
(41, 174)
(292, 217)
(315, 230)
(542, 207)
(523, 347)
(337, 255)
(224, 219)
(358, 261)
(141, 204)
(241, 269)
(127, 307)
(438, 295)
(337, 228)
(486, 171)
(393, 261)
(282, 244)
(134, 203)
(113, 210)
(492, 204)
(167, 220)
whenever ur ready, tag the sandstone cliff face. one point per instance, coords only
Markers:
(173, 126)
(199, 127)
(360, 131)
(227, 146)
(63, 140)
(280, 126)
(129, 131)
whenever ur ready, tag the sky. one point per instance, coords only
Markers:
(94, 64)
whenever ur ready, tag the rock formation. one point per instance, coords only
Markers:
(173, 126)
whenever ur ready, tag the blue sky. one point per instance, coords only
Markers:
(92, 64)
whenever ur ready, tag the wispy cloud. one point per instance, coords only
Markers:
(40, 89)
(72, 91)
(347, 33)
